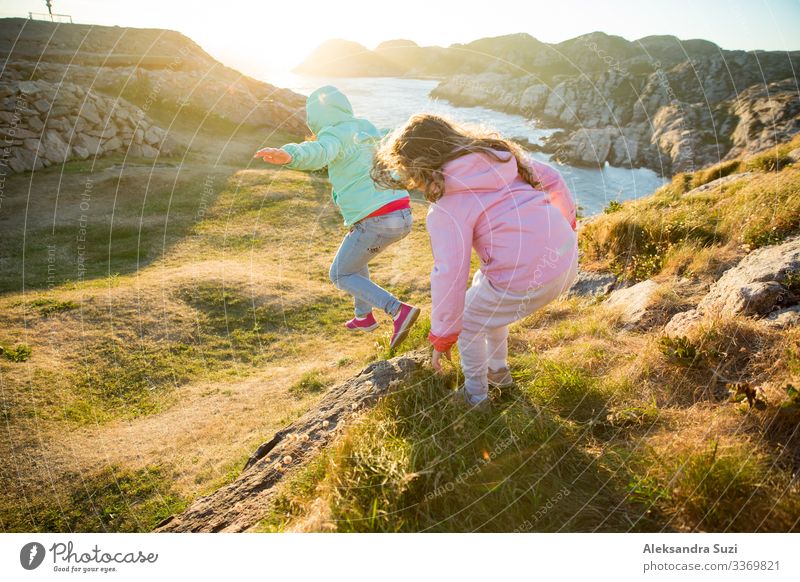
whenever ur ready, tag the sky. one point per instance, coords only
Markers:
(264, 37)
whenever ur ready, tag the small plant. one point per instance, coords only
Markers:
(19, 353)
(792, 281)
(309, 383)
(47, 307)
(792, 401)
(679, 349)
(741, 391)
(613, 206)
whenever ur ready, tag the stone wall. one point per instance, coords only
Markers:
(46, 123)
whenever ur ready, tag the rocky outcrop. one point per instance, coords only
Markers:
(83, 89)
(241, 504)
(592, 284)
(666, 104)
(762, 284)
(45, 124)
(636, 120)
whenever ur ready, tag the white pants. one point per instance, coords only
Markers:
(483, 342)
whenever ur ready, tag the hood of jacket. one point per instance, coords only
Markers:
(327, 106)
(479, 172)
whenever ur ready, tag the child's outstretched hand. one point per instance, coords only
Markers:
(274, 156)
(436, 359)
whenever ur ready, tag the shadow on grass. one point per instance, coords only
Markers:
(418, 463)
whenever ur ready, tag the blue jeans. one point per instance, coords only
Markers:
(366, 239)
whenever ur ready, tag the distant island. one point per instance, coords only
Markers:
(659, 102)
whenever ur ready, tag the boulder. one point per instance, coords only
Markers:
(89, 112)
(755, 285)
(35, 123)
(22, 160)
(759, 298)
(106, 132)
(633, 302)
(154, 135)
(591, 283)
(53, 147)
(149, 151)
(89, 143)
(112, 144)
(683, 323)
(41, 105)
(28, 87)
(16, 133)
(80, 152)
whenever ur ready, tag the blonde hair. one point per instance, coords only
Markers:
(414, 155)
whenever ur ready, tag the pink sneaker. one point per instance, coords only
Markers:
(402, 323)
(367, 323)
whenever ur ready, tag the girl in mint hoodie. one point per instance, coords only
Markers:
(376, 218)
(518, 216)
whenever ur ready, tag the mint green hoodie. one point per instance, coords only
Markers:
(345, 144)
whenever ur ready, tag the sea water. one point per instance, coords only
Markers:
(388, 102)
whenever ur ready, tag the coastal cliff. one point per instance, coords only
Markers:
(658, 102)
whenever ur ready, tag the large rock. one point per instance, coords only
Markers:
(675, 116)
(241, 504)
(89, 112)
(633, 302)
(683, 323)
(591, 283)
(784, 318)
(755, 285)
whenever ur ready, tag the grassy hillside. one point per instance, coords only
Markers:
(672, 233)
(204, 321)
(605, 429)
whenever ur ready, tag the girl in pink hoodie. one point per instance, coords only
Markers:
(518, 216)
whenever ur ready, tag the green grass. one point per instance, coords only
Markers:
(309, 383)
(231, 336)
(417, 463)
(111, 500)
(47, 306)
(724, 488)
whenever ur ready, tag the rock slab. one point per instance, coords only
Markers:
(241, 504)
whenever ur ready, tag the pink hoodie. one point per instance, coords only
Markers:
(524, 237)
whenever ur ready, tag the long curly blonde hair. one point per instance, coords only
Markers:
(413, 157)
